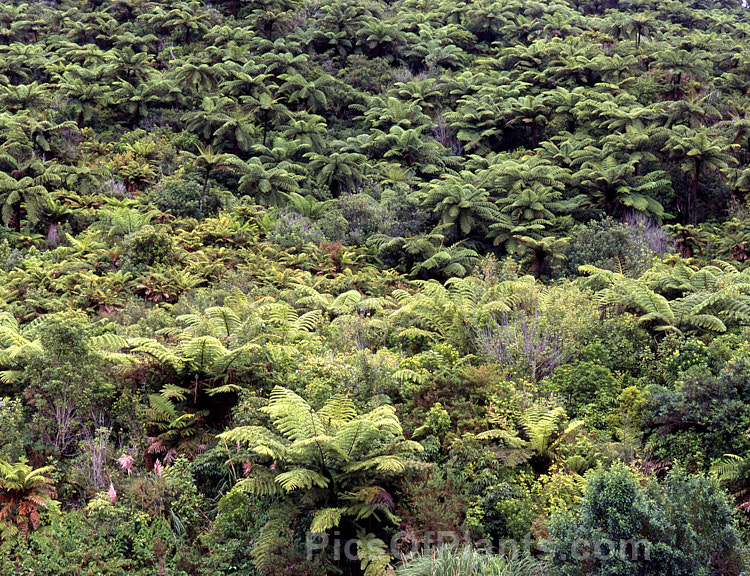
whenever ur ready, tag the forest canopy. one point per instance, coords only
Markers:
(278, 277)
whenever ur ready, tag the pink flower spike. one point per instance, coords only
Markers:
(272, 466)
(126, 463)
(157, 467)
(112, 493)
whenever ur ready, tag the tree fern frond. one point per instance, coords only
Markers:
(170, 391)
(109, 340)
(300, 478)
(407, 375)
(338, 411)
(728, 468)
(309, 321)
(325, 519)
(225, 318)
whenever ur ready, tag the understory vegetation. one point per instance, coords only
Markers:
(279, 274)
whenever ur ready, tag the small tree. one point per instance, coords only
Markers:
(333, 463)
(683, 525)
(23, 491)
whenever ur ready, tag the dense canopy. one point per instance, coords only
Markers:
(284, 279)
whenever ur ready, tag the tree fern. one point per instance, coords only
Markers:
(325, 519)
(158, 352)
(729, 467)
(203, 352)
(331, 462)
(708, 299)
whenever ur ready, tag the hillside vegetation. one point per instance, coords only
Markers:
(275, 274)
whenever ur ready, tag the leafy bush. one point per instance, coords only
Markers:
(180, 196)
(587, 388)
(685, 527)
(231, 536)
(702, 416)
(616, 246)
(363, 216)
(150, 246)
(293, 229)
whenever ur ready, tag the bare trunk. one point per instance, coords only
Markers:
(52, 234)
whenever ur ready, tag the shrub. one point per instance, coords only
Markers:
(618, 246)
(684, 523)
(231, 536)
(702, 416)
(150, 246)
(363, 216)
(587, 388)
(370, 74)
(180, 197)
(293, 229)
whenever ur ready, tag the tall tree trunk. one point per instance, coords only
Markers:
(15, 221)
(694, 194)
(52, 233)
(203, 194)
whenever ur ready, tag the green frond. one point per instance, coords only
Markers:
(387, 463)
(109, 340)
(300, 478)
(224, 317)
(170, 391)
(309, 321)
(155, 350)
(705, 322)
(345, 303)
(224, 389)
(224, 363)
(161, 408)
(649, 301)
(401, 295)
(255, 437)
(7, 320)
(279, 313)
(11, 376)
(261, 483)
(292, 416)
(407, 375)
(337, 411)
(325, 519)
(203, 352)
(11, 337)
(500, 435)
(728, 468)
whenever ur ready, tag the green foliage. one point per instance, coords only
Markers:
(179, 197)
(333, 463)
(612, 246)
(202, 202)
(24, 492)
(588, 389)
(232, 534)
(679, 409)
(465, 561)
(11, 428)
(150, 246)
(698, 300)
(685, 522)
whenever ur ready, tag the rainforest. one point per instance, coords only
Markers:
(375, 288)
